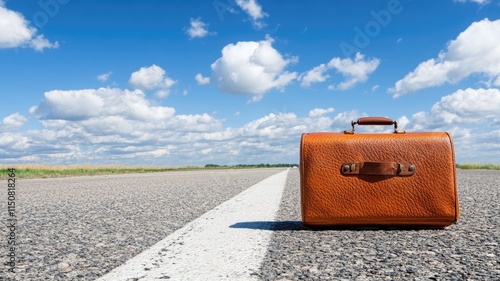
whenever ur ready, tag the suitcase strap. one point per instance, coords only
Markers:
(378, 168)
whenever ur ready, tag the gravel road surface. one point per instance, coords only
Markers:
(80, 228)
(468, 250)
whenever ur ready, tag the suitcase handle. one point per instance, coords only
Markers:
(375, 121)
(378, 168)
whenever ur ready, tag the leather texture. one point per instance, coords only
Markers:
(380, 197)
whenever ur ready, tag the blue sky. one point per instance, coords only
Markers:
(238, 81)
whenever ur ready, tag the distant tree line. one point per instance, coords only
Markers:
(262, 165)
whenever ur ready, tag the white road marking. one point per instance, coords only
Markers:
(226, 243)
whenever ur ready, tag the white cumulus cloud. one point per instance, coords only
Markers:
(106, 125)
(104, 77)
(202, 80)
(39, 43)
(463, 107)
(252, 68)
(315, 75)
(354, 71)
(198, 29)
(318, 112)
(79, 105)
(15, 31)
(152, 78)
(148, 78)
(254, 10)
(12, 122)
(474, 51)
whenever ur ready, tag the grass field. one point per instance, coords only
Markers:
(479, 166)
(47, 171)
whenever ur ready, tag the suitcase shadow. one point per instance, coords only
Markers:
(298, 226)
(270, 225)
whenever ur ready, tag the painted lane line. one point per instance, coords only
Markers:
(212, 247)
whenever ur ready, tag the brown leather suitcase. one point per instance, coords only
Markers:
(378, 179)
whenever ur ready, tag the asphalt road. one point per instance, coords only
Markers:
(81, 228)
